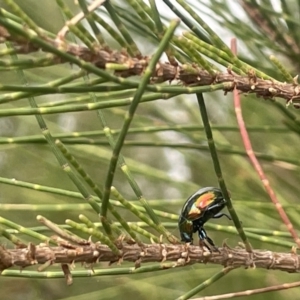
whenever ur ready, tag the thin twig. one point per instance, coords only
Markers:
(255, 162)
(62, 33)
(253, 292)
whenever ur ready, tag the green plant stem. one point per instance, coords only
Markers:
(205, 284)
(88, 273)
(62, 161)
(67, 137)
(91, 21)
(94, 187)
(130, 44)
(24, 230)
(218, 172)
(128, 119)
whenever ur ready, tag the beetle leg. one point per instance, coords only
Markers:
(202, 233)
(186, 238)
(206, 240)
(219, 215)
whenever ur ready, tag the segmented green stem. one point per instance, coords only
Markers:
(88, 273)
(156, 16)
(63, 162)
(72, 137)
(143, 12)
(91, 21)
(26, 231)
(79, 29)
(130, 46)
(218, 172)
(94, 187)
(286, 74)
(202, 35)
(128, 119)
(205, 284)
(113, 33)
(22, 16)
(96, 233)
(192, 52)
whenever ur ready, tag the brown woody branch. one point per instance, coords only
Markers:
(181, 254)
(191, 75)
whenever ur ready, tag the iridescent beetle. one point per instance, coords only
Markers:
(205, 204)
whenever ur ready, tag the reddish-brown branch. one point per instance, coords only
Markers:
(255, 162)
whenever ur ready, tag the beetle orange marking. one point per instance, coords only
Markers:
(194, 212)
(204, 200)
